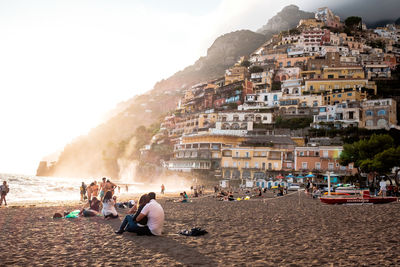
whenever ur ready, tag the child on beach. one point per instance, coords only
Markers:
(109, 210)
(4, 189)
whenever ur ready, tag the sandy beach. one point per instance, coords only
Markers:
(292, 230)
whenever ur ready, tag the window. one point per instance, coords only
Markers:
(247, 155)
(381, 112)
(289, 165)
(289, 63)
(369, 113)
(336, 86)
(265, 98)
(226, 164)
(330, 166)
(246, 164)
(317, 165)
(322, 87)
(311, 87)
(301, 153)
(276, 165)
(369, 123)
(269, 166)
(275, 97)
(256, 164)
(304, 165)
(237, 154)
(234, 164)
(330, 76)
(339, 95)
(325, 153)
(349, 94)
(264, 154)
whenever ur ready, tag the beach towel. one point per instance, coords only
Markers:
(196, 231)
(73, 214)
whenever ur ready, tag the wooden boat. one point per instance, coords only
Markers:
(365, 198)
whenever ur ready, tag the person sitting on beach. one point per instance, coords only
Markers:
(184, 196)
(155, 216)
(109, 210)
(230, 196)
(93, 210)
(129, 223)
(4, 189)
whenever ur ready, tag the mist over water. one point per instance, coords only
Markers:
(25, 188)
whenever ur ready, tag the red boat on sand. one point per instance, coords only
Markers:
(365, 198)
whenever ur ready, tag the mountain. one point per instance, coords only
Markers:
(286, 19)
(96, 153)
(223, 53)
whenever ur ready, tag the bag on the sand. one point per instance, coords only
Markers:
(194, 232)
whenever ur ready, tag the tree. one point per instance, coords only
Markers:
(256, 69)
(353, 23)
(367, 155)
(245, 63)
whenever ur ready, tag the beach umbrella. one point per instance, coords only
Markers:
(310, 175)
(279, 177)
(289, 176)
(300, 177)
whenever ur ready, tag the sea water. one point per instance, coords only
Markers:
(26, 188)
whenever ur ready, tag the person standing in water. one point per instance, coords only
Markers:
(162, 189)
(4, 189)
(102, 188)
(83, 191)
(95, 189)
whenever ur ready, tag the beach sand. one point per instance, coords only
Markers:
(291, 230)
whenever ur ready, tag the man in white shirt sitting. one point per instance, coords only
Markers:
(382, 184)
(155, 218)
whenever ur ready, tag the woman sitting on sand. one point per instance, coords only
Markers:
(109, 210)
(93, 210)
(129, 223)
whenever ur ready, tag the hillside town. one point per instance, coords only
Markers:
(254, 123)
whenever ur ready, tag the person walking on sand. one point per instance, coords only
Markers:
(89, 191)
(162, 189)
(4, 189)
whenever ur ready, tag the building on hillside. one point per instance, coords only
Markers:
(233, 93)
(262, 80)
(344, 95)
(314, 36)
(236, 74)
(320, 159)
(378, 114)
(377, 71)
(200, 152)
(326, 15)
(258, 158)
(240, 122)
(292, 87)
(340, 115)
(287, 74)
(331, 59)
(261, 100)
(310, 23)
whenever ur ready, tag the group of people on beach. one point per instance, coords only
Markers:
(97, 190)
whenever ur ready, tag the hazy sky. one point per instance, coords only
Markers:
(64, 64)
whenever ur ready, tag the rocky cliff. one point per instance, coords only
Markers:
(286, 19)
